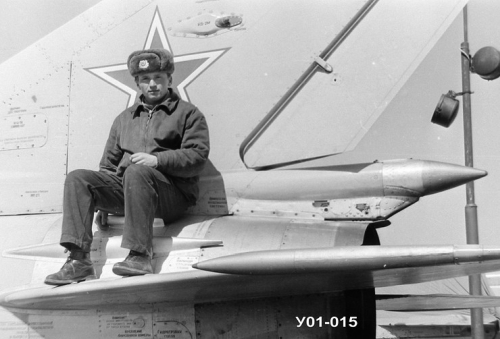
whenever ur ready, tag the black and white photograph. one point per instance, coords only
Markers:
(249, 169)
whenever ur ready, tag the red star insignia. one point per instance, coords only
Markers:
(187, 67)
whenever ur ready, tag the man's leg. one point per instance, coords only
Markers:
(84, 191)
(148, 193)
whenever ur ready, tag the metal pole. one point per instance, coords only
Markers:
(471, 207)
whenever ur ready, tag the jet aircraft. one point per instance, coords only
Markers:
(279, 245)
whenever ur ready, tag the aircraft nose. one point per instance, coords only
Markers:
(438, 177)
(419, 177)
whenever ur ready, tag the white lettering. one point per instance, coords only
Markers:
(301, 321)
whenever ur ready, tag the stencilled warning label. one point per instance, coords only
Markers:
(19, 330)
(180, 262)
(125, 326)
(211, 202)
(14, 330)
(34, 194)
(23, 131)
(171, 330)
(217, 202)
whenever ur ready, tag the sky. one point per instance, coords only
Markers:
(483, 28)
(23, 22)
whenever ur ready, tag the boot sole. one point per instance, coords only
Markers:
(70, 281)
(128, 271)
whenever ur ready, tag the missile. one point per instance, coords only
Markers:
(110, 248)
(347, 259)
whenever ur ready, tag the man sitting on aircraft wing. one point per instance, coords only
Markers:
(149, 168)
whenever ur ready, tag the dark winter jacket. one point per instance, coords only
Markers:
(175, 131)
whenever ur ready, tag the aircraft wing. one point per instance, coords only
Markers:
(391, 302)
(432, 324)
(350, 271)
(449, 294)
(434, 309)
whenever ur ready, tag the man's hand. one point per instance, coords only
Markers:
(144, 159)
(101, 220)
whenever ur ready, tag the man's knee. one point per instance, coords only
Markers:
(135, 170)
(138, 175)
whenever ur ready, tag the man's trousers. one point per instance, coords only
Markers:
(141, 195)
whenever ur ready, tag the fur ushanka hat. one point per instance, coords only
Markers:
(150, 60)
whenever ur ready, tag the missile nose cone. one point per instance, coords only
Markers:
(438, 177)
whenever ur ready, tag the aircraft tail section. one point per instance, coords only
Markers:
(348, 85)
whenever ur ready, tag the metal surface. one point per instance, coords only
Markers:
(110, 248)
(434, 302)
(33, 164)
(354, 192)
(345, 259)
(350, 192)
(304, 78)
(286, 317)
(201, 286)
(486, 63)
(446, 110)
(384, 49)
(432, 331)
(156, 320)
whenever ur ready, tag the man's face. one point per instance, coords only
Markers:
(154, 86)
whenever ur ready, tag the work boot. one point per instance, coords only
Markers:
(135, 263)
(78, 267)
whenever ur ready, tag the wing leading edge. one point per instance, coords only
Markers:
(200, 286)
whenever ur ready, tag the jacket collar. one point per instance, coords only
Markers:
(169, 104)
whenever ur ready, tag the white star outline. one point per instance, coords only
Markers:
(157, 27)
